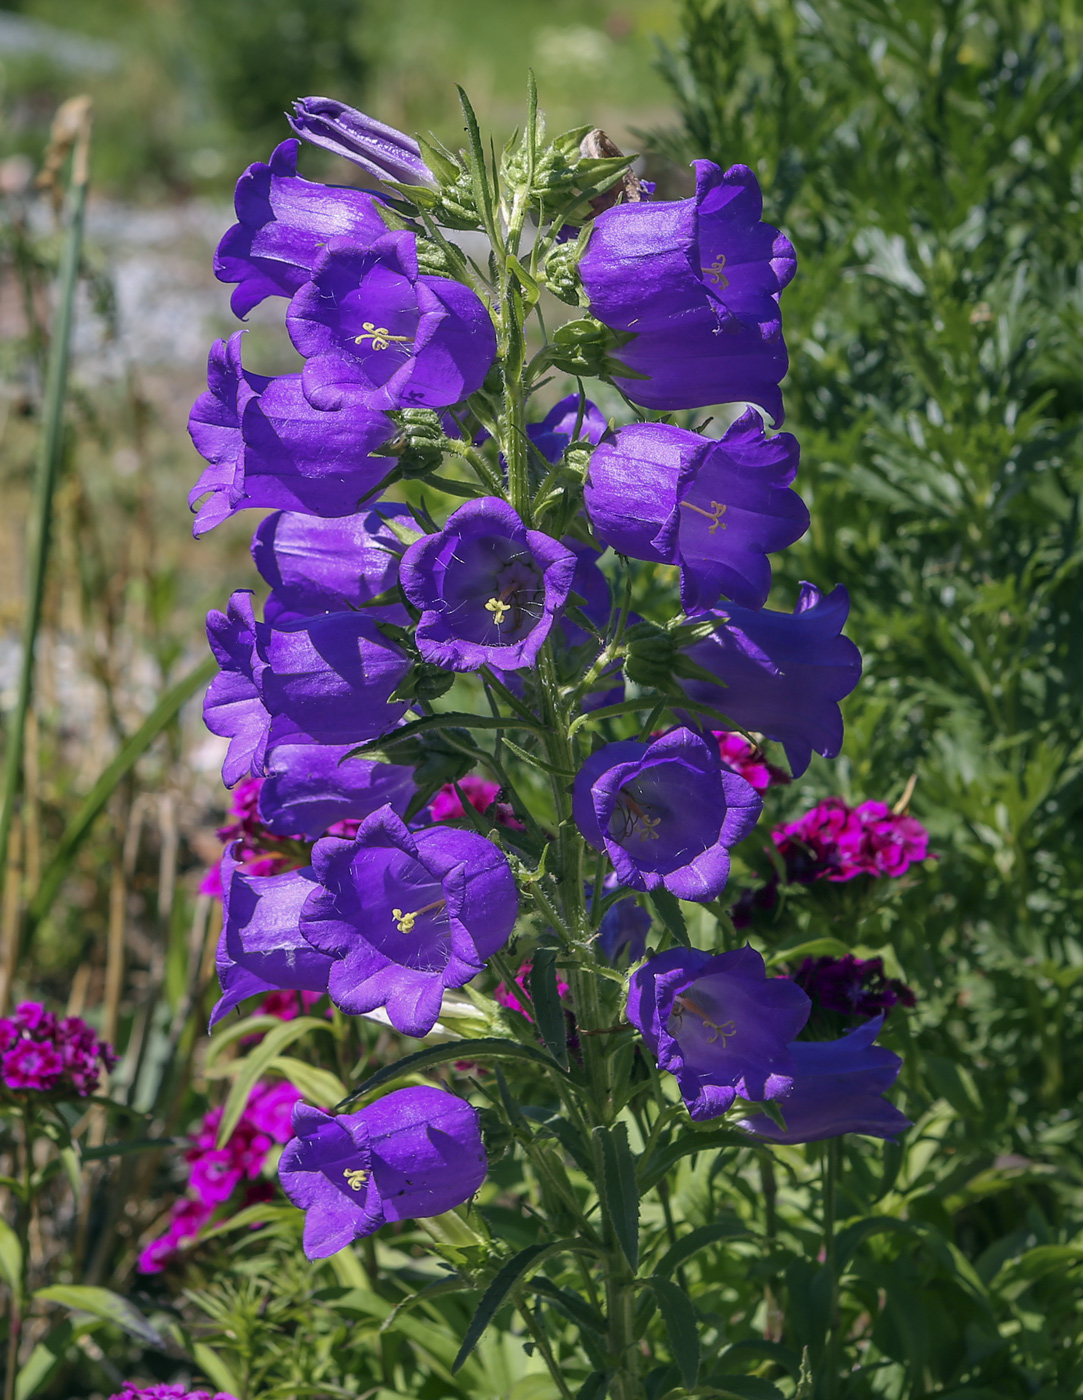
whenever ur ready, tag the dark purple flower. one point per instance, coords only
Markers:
(838, 1087)
(488, 588)
(261, 948)
(310, 787)
(623, 930)
(233, 708)
(852, 986)
(405, 914)
(375, 333)
(697, 282)
(781, 674)
(284, 222)
(416, 1152)
(317, 566)
(719, 1024)
(381, 150)
(266, 446)
(716, 508)
(666, 813)
(556, 430)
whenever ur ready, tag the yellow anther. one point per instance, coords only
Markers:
(405, 920)
(498, 608)
(356, 1178)
(650, 825)
(714, 515)
(380, 336)
(724, 1032)
(714, 272)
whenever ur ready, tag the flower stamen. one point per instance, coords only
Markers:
(714, 272)
(404, 921)
(356, 1178)
(714, 515)
(724, 1032)
(380, 336)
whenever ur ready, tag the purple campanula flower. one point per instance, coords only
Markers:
(317, 566)
(697, 282)
(414, 1153)
(266, 445)
(557, 429)
(716, 508)
(489, 588)
(666, 813)
(233, 708)
(283, 223)
(782, 674)
(260, 948)
(379, 149)
(405, 914)
(624, 929)
(838, 1087)
(310, 787)
(376, 333)
(719, 1024)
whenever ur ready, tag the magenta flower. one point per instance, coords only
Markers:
(416, 1152)
(42, 1054)
(31, 1065)
(748, 761)
(482, 796)
(130, 1391)
(489, 588)
(377, 334)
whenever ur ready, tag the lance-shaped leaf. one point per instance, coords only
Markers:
(682, 1326)
(620, 1190)
(103, 1303)
(486, 1048)
(548, 1011)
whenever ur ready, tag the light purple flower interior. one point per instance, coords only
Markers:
(405, 915)
(668, 815)
(494, 591)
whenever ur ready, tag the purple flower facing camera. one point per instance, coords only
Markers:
(377, 334)
(488, 588)
(416, 1152)
(715, 508)
(665, 813)
(405, 914)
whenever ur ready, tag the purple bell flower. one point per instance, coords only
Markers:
(233, 707)
(553, 434)
(838, 1087)
(488, 588)
(716, 508)
(718, 1024)
(697, 282)
(414, 1153)
(377, 334)
(406, 914)
(260, 949)
(782, 674)
(283, 222)
(310, 787)
(318, 566)
(624, 929)
(381, 150)
(266, 446)
(665, 813)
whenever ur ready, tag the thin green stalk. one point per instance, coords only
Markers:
(537, 1333)
(50, 451)
(832, 1171)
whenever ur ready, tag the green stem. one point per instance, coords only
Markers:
(832, 1171)
(537, 1333)
(51, 446)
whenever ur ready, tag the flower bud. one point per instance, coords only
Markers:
(419, 442)
(650, 656)
(561, 276)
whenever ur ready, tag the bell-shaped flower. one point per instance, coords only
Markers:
(719, 1024)
(697, 283)
(488, 588)
(260, 948)
(233, 707)
(317, 566)
(414, 1153)
(558, 428)
(266, 446)
(405, 914)
(310, 787)
(665, 813)
(838, 1087)
(344, 131)
(782, 674)
(377, 334)
(716, 508)
(283, 223)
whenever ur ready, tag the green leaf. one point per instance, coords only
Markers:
(682, 1326)
(48, 1355)
(448, 719)
(620, 1190)
(237, 1030)
(215, 1369)
(514, 1272)
(487, 1047)
(11, 1260)
(811, 948)
(262, 1213)
(664, 1160)
(548, 1010)
(319, 1086)
(594, 1387)
(668, 909)
(694, 1241)
(256, 1063)
(102, 1303)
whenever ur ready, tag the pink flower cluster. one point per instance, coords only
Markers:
(854, 986)
(480, 793)
(747, 761)
(837, 842)
(214, 1173)
(48, 1055)
(506, 997)
(167, 1392)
